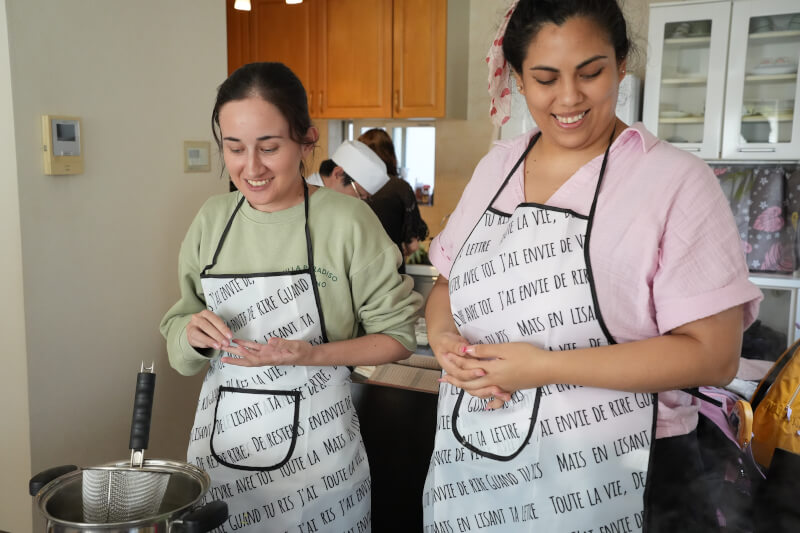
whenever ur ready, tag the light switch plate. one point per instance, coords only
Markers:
(196, 156)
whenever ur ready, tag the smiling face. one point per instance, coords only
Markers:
(262, 159)
(570, 79)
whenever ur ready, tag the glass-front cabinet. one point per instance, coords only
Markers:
(762, 87)
(685, 75)
(722, 78)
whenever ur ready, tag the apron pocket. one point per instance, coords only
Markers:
(255, 429)
(500, 434)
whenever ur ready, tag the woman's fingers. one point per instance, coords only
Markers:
(217, 323)
(482, 351)
(198, 339)
(496, 396)
(492, 391)
(467, 384)
(251, 353)
(275, 352)
(462, 368)
(247, 345)
(207, 330)
(495, 403)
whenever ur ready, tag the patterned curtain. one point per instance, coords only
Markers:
(765, 200)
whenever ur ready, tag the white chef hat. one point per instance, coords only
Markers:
(362, 164)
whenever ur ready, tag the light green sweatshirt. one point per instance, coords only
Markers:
(355, 261)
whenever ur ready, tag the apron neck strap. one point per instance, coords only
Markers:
(515, 167)
(222, 238)
(600, 177)
(309, 249)
(311, 270)
(528, 149)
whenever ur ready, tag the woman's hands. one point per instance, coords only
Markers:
(448, 344)
(507, 367)
(450, 348)
(207, 330)
(277, 352)
(463, 370)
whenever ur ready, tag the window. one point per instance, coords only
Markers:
(415, 148)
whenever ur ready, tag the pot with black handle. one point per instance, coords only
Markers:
(129, 496)
(59, 497)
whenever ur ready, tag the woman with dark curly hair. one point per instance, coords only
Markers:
(582, 288)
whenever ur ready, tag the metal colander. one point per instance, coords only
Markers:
(127, 493)
(121, 494)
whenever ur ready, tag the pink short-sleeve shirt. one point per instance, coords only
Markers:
(664, 250)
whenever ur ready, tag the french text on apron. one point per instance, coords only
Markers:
(281, 443)
(558, 458)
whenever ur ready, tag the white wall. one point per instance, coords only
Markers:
(99, 250)
(15, 453)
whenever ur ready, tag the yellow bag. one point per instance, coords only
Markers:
(776, 408)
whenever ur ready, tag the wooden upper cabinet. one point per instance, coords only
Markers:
(238, 27)
(273, 31)
(420, 48)
(285, 33)
(355, 50)
(356, 58)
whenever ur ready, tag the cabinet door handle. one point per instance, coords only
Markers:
(321, 101)
(311, 102)
(397, 101)
(755, 150)
(691, 149)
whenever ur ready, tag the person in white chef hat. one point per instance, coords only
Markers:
(358, 172)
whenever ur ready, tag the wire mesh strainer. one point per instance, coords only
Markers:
(119, 494)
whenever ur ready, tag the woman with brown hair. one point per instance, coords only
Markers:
(395, 203)
(283, 286)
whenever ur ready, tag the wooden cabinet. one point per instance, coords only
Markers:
(419, 58)
(273, 31)
(356, 58)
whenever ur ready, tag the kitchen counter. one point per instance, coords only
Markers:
(420, 373)
(396, 405)
(398, 425)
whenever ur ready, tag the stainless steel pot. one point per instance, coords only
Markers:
(125, 485)
(58, 496)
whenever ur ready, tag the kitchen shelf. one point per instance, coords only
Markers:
(786, 317)
(681, 41)
(776, 280)
(771, 77)
(682, 120)
(764, 35)
(781, 117)
(684, 81)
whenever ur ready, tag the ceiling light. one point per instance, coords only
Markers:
(242, 5)
(294, 1)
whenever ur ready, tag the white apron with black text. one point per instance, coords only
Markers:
(281, 443)
(558, 458)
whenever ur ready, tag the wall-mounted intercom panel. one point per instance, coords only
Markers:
(61, 145)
